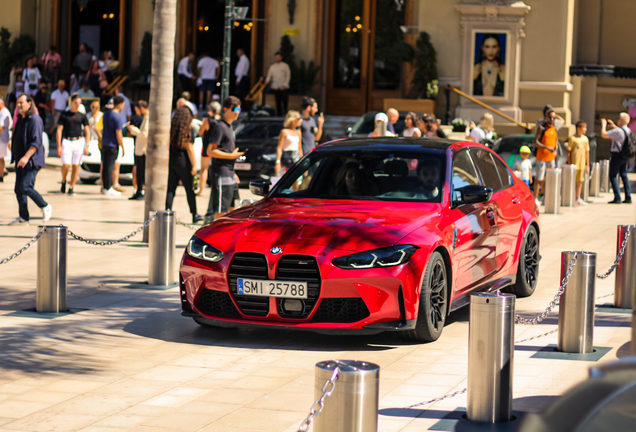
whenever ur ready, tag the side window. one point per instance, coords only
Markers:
(464, 172)
(504, 174)
(487, 168)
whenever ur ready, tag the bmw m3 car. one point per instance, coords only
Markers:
(367, 235)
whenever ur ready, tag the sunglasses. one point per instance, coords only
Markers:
(236, 110)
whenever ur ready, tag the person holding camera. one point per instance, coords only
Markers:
(618, 133)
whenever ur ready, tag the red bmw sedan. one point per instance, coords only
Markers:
(367, 235)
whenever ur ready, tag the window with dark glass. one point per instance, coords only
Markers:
(487, 168)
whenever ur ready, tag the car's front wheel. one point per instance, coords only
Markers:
(528, 268)
(433, 302)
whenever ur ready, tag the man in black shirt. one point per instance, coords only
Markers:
(222, 149)
(73, 135)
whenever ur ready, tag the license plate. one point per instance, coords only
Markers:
(272, 288)
(243, 166)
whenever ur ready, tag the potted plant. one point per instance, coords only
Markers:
(459, 125)
(425, 85)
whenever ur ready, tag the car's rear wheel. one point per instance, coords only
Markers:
(528, 268)
(433, 302)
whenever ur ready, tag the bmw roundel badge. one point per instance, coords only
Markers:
(276, 250)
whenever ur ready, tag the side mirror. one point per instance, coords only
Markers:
(474, 194)
(260, 187)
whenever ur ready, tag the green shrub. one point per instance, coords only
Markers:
(425, 77)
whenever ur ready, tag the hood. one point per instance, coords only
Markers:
(337, 224)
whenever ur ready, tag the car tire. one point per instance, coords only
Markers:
(433, 306)
(528, 268)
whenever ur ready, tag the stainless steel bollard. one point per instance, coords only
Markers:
(585, 190)
(51, 273)
(552, 190)
(576, 307)
(491, 345)
(605, 187)
(595, 181)
(353, 405)
(161, 249)
(625, 282)
(568, 185)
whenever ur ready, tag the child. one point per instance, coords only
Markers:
(579, 155)
(524, 166)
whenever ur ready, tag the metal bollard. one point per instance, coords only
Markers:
(353, 405)
(552, 190)
(585, 190)
(605, 176)
(51, 274)
(595, 182)
(161, 249)
(568, 186)
(576, 307)
(490, 357)
(625, 282)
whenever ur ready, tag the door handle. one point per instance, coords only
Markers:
(490, 214)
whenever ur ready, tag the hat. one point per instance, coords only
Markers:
(381, 117)
(525, 149)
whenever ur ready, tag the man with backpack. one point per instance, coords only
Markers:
(546, 143)
(623, 148)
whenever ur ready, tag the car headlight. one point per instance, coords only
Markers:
(385, 257)
(269, 157)
(197, 248)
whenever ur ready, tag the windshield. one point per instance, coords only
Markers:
(366, 175)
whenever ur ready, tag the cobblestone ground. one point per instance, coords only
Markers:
(127, 361)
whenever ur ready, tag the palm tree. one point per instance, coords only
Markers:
(160, 104)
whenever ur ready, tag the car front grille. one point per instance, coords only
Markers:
(252, 266)
(340, 310)
(216, 303)
(303, 269)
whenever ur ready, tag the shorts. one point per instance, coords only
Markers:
(207, 85)
(542, 166)
(72, 151)
(223, 197)
(3, 149)
(580, 175)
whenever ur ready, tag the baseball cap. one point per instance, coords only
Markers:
(381, 117)
(525, 149)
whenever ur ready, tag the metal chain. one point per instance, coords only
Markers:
(327, 389)
(520, 320)
(619, 257)
(192, 227)
(24, 248)
(112, 242)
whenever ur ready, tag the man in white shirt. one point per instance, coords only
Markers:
(242, 81)
(5, 124)
(618, 133)
(208, 71)
(278, 77)
(141, 144)
(185, 71)
(59, 100)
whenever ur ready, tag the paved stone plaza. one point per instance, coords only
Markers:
(127, 361)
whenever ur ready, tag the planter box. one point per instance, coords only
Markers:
(292, 104)
(423, 106)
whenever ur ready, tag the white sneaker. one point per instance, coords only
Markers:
(104, 191)
(579, 201)
(46, 212)
(112, 192)
(537, 202)
(19, 221)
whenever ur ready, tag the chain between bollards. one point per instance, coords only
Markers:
(187, 225)
(520, 320)
(24, 248)
(112, 242)
(327, 390)
(619, 257)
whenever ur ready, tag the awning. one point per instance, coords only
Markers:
(603, 71)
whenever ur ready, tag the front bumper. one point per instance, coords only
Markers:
(373, 300)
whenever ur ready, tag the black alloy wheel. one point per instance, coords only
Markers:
(528, 269)
(433, 302)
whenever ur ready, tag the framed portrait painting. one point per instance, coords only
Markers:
(489, 73)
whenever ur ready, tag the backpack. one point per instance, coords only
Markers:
(628, 150)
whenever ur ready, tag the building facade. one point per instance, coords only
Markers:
(572, 54)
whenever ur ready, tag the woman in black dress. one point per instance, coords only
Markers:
(182, 165)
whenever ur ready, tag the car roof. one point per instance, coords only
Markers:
(264, 119)
(389, 143)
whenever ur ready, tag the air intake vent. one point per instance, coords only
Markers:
(251, 266)
(341, 310)
(303, 269)
(216, 303)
